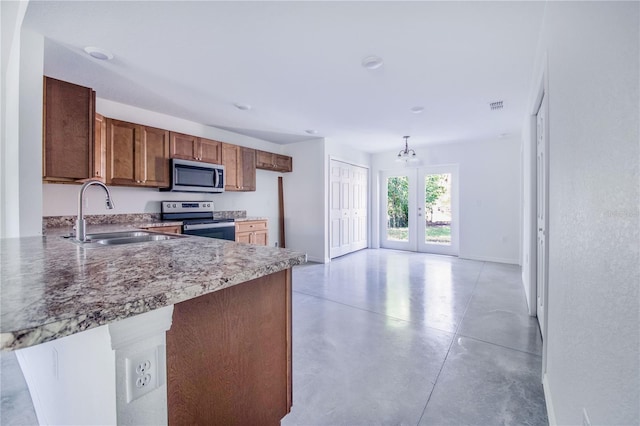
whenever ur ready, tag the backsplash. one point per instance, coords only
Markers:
(106, 219)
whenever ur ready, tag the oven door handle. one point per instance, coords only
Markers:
(208, 226)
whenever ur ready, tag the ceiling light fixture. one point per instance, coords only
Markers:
(406, 155)
(372, 62)
(242, 107)
(98, 53)
(417, 109)
(311, 131)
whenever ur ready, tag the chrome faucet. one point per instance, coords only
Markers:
(81, 226)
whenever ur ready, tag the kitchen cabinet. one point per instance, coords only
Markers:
(68, 118)
(240, 167)
(275, 162)
(165, 229)
(229, 355)
(137, 155)
(189, 147)
(252, 232)
(100, 148)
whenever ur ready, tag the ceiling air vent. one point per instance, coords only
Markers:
(495, 105)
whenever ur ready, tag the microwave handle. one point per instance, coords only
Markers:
(215, 178)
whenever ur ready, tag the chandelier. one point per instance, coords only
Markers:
(406, 155)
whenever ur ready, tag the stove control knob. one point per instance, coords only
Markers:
(174, 206)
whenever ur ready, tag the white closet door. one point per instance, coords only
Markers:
(348, 200)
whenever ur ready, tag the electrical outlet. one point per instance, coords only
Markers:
(142, 374)
(585, 418)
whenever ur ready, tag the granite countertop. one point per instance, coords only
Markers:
(51, 287)
(247, 219)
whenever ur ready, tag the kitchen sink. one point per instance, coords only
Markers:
(134, 239)
(122, 234)
(124, 237)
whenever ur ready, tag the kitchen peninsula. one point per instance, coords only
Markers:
(228, 339)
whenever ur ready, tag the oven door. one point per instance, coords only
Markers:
(223, 231)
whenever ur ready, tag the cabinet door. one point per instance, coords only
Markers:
(154, 157)
(100, 148)
(231, 162)
(209, 151)
(123, 141)
(265, 160)
(183, 146)
(261, 238)
(283, 163)
(248, 175)
(68, 115)
(244, 237)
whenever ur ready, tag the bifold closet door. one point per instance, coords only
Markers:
(347, 208)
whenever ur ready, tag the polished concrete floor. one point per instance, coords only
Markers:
(385, 337)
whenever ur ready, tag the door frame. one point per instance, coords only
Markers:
(412, 175)
(454, 248)
(542, 94)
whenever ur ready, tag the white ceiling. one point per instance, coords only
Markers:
(298, 64)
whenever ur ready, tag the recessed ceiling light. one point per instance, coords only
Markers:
(417, 109)
(311, 131)
(242, 107)
(372, 62)
(98, 53)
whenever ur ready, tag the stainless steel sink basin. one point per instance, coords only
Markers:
(122, 234)
(123, 237)
(135, 239)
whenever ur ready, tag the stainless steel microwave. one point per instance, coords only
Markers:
(195, 176)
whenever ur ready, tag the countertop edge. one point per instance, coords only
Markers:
(65, 327)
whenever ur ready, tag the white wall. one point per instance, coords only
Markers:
(306, 194)
(62, 199)
(489, 194)
(592, 344)
(20, 118)
(305, 200)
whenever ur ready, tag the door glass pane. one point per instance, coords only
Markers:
(398, 208)
(437, 208)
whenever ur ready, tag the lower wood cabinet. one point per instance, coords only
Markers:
(252, 232)
(229, 355)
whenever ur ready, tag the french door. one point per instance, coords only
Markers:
(420, 209)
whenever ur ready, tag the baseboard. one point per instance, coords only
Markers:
(317, 259)
(551, 414)
(491, 259)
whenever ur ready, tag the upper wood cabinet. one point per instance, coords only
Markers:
(137, 155)
(189, 147)
(240, 167)
(100, 148)
(68, 116)
(276, 162)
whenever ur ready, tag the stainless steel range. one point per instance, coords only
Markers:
(197, 219)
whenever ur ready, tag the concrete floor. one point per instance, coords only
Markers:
(385, 337)
(388, 337)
